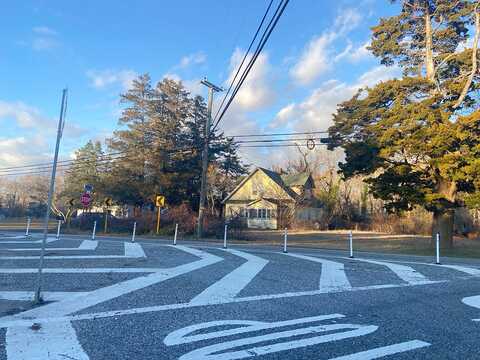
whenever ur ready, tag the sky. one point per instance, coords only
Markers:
(316, 58)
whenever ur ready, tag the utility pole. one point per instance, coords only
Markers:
(203, 187)
(61, 123)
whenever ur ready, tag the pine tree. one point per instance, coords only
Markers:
(418, 137)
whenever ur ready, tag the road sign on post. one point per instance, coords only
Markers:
(86, 199)
(159, 203)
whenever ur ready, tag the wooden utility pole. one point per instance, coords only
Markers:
(203, 187)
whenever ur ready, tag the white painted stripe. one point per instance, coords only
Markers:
(134, 250)
(69, 306)
(332, 276)
(53, 341)
(88, 245)
(81, 270)
(212, 352)
(49, 240)
(464, 269)
(28, 295)
(230, 285)
(385, 351)
(5, 322)
(182, 336)
(85, 245)
(406, 273)
(473, 301)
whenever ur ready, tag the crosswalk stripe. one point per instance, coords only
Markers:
(406, 273)
(230, 285)
(47, 295)
(85, 245)
(464, 269)
(332, 275)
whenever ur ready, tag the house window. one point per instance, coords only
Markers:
(252, 213)
(269, 214)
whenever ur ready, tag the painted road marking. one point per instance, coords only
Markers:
(54, 341)
(131, 250)
(49, 240)
(473, 301)
(182, 336)
(91, 298)
(406, 273)
(230, 285)
(10, 321)
(464, 269)
(383, 351)
(80, 270)
(332, 275)
(47, 295)
(278, 341)
(85, 245)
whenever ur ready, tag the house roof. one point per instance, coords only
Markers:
(299, 179)
(278, 179)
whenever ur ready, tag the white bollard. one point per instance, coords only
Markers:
(175, 236)
(350, 238)
(94, 229)
(134, 230)
(285, 235)
(58, 228)
(225, 237)
(27, 232)
(437, 249)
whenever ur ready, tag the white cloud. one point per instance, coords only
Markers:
(101, 79)
(25, 116)
(361, 53)
(44, 30)
(45, 38)
(192, 59)
(318, 55)
(315, 112)
(347, 20)
(256, 91)
(22, 150)
(315, 59)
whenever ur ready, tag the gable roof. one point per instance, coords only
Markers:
(274, 176)
(299, 179)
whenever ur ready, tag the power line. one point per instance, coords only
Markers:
(277, 134)
(266, 35)
(244, 58)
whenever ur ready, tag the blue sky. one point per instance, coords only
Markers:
(315, 58)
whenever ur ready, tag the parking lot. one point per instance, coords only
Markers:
(153, 300)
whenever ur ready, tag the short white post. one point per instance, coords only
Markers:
(134, 230)
(437, 248)
(27, 232)
(94, 229)
(175, 236)
(58, 228)
(285, 235)
(350, 238)
(225, 236)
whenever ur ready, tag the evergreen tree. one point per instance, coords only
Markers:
(418, 137)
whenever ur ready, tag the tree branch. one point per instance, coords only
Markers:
(464, 92)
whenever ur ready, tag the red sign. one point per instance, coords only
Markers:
(86, 199)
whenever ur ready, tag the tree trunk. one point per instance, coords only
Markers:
(443, 224)
(429, 64)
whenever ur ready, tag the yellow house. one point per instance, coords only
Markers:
(266, 199)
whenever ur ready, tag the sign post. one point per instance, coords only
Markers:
(159, 203)
(108, 203)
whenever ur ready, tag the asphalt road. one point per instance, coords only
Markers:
(114, 299)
